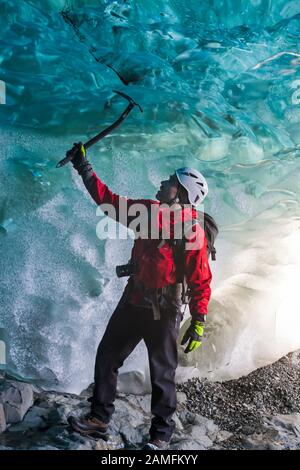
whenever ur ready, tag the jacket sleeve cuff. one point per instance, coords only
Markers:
(199, 317)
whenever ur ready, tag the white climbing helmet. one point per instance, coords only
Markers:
(194, 182)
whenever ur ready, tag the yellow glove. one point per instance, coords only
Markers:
(194, 335)
(80, 156)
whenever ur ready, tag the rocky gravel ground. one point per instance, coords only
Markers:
(258, 411)
(242, 404)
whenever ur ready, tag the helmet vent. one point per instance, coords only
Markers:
(201, 184)
(189, 174)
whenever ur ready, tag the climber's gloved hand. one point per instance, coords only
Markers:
(80, 162)
(80, 155)
(193, 335)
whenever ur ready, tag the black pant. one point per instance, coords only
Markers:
(126, 328)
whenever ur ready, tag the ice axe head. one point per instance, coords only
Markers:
(128, 98)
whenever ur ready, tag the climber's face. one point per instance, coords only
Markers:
(168, 189)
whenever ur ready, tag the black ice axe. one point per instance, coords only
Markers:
(70, 154)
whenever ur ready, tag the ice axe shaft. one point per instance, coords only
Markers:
(70, 154)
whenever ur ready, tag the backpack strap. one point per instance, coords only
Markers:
(211, 231)
(179, 248)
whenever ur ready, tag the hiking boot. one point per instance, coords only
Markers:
(156, 444)
(89, 426)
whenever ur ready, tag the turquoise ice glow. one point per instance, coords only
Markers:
(219, 83)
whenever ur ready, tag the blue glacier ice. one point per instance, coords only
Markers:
(219, 83)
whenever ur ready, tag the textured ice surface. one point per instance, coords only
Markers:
(219, 83)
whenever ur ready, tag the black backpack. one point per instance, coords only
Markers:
(211, 231)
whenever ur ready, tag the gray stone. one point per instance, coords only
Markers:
(287, 430)
(187, 417)
(2, 419)
(17, 398)
(266, 440)
(178, 423)
(198, 434)
(134, 382)
(130, 411)
(114, 442)
(141, 402)
(129, 433)
(289, 423)
(223, 436)
(186, 444)
(63, 411)
(36, 418)
(181, 398)
(131, 418)
(208, 426)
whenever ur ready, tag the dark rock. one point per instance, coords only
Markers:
(287, 428)
(2, 419)
(16, 398)
(36, 418)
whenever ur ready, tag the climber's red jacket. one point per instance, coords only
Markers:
(154, 257)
